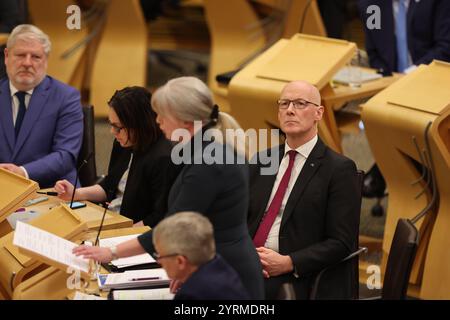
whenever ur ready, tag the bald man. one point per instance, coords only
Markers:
(306, 216)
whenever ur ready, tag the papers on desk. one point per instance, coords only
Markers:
(83, 296)
(133, 279)
(350, 75)
(23, 216)
(49, 246)
(143, 294)
(121, 263)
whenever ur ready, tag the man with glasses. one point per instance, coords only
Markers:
(186, 250)
(41, 122)
(305, 217)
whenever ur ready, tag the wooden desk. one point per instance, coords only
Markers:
(392, 118)
(3, 38)
(51, 284)
(91, 214)
(253, 99)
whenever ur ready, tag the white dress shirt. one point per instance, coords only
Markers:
(15, 108)
(15, 100)
(395, 8)
(300, 159)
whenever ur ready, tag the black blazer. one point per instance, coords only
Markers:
(220, 192)
(215, 280)
(149, 180)
(320, 221)
(428, 27)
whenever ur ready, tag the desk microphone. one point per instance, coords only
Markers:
(106, 205)
(85, 161)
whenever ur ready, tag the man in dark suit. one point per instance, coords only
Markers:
(305, 217)
(185, 248)
(412, 32)
(41, 126)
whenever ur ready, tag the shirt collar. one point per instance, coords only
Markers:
(13, 89)
(304, 149)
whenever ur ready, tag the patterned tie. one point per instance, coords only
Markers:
(402, 40)
(266, 224)
(21, 114)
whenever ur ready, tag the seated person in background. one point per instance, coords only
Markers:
(411, 33)
(185, 248)
(305, 217)
(41, 122)
(140, 172)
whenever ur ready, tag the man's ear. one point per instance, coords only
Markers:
(182, 262)
(319, 112)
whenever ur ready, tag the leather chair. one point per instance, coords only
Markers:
(399, 264)
(400, 261)
(88, 171)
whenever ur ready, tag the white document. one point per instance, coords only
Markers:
(143, 294)
(83, 296)
(350, 74)
(48, 245)
(134, 279)
(129, 261)
(23, 216)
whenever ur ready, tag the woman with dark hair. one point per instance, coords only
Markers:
(140, 172)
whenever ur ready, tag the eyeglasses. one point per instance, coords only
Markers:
(157, 256)
(115, 128)
(298, 104)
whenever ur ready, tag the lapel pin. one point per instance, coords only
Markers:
(312, 164)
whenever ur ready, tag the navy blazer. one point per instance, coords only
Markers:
(428, 28)
(220, 192)
(319, 226)
(215, 280)
(51, 134)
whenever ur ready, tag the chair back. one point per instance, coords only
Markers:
(400, 260)
(88, 173)
(286, 292)
(355, 262)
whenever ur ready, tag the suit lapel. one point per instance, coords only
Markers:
(6, 118)
(34, 110)
(409, 16)
(310, 167)
(388, 23)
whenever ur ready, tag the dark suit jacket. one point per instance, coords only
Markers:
(220, 192)
(320, 221)
(149, 180)
(428, 28)
(50, 137)
(215, 280)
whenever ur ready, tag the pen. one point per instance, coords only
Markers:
(142, 279)
(49, 193)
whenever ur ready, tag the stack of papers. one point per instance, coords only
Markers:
(48, 246)
(351, 74)
(122, 263)
(133, 279)
(143, 294)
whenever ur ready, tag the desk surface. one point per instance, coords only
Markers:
(53, 283)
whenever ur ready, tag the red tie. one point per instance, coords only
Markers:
(266, 223)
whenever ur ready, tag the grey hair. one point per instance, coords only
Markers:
(189, 99)
(29, 32)
(189, 234)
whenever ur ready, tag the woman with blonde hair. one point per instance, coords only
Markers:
(208, 183)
